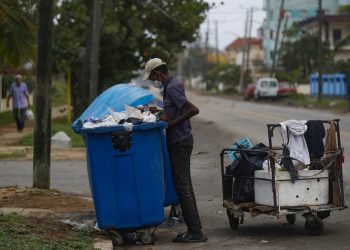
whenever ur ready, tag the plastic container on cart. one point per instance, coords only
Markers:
(310, 190)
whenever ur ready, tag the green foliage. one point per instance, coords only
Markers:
(17, 33)
(18, 232)
(13, 155)
(301, 54)
(294, 76)
(344, 9)
(6, 118)
(59, 93)
(131, 32)
(59, 124)
(311, 102)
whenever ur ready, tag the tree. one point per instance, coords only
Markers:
(131, 33)
(300, 52)
(16, 33)
(89, 73)
(42, 125)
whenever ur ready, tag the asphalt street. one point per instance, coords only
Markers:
(219, 124)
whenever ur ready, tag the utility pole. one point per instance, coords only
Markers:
(320, 56)
(249, 38)
(217, 52)
(42, 125)
(283, 36)
(207, 39)
(242, 73)
(281, 14)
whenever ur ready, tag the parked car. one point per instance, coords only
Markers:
(286, 89)
(266, 87)
(249, 92)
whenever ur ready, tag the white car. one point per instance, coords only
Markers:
(266, 87)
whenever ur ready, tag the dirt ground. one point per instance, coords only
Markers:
(14, 197)
(40, 213)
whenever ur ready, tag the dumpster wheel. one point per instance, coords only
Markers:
(291, 218)
(314, 225)
(116, 237)
(147, 237)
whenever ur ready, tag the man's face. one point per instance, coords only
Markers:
(154, 76)
(18, 80)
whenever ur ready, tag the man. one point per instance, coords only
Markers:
(177, 112)
(20, 98)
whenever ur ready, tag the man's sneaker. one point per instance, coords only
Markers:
(188, 237)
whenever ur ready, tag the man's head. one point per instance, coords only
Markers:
(18, 79)
(156, 70)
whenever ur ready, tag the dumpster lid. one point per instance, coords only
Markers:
(114, 98)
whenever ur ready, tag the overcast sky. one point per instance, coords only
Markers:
(231, 18)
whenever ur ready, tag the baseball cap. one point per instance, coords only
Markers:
(151, 65)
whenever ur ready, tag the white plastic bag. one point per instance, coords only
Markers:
(30, 115)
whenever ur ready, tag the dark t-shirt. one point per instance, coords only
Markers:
(174, 99)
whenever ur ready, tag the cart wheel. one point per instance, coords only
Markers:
(290, 218)
(234, 222)
(314, 225)
(116, 238)
(147, 238)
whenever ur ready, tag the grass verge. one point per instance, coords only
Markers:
(59, 124)
(18, 232)
(6, 118)
(312, 102)
(12, 155)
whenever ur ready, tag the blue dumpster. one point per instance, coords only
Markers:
(129, 171)
(127, 174)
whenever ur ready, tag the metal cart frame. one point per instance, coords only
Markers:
(313, 214)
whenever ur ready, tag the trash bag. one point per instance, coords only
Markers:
(113, 99)
(243, 168)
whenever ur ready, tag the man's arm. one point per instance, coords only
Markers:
(28, 101)
(189, 110)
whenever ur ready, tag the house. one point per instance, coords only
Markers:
(236, 49)
(334, 29)
(294, 11)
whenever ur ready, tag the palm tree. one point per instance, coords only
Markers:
(17, 36)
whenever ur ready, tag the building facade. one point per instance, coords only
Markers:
(294, 11)
(235, 50)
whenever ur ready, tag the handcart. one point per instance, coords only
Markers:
(313, 196)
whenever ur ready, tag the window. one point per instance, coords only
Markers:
(336, 35)
(271, 34)
(273, 84)
(263, 84)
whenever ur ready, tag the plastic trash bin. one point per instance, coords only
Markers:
(129, 175)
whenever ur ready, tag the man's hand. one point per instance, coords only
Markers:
(154, 110)
(164, 117)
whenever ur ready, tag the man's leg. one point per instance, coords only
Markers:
(22, 118)
(180, 154)
(15, 113)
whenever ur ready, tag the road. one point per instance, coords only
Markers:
(220, 123)
(249, 119)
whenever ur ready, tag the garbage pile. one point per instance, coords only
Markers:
(127, 118)
(117, 106)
